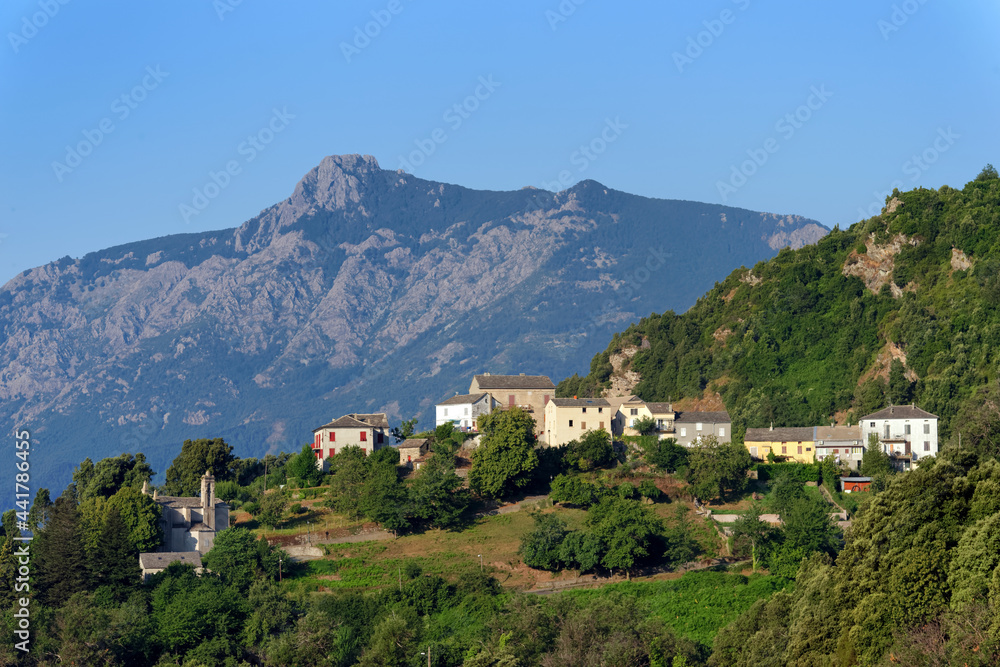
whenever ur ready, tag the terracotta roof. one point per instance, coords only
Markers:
(900, 412)
(691, 417)
(838, 433)
(160, 560)
(354, 420)
(781, 434)
(462, 399)
(660, 408)
(579, 402)
(489, 381)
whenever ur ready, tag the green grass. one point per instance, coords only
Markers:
(698, 604)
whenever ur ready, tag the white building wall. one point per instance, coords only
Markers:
(922, 435)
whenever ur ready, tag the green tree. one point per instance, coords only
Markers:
(572, 490)
(989, 172)
(750, 529)
(271, 612)
(59, 558)
(581, 549)
(540, 547)
(240, 559)
(665, 454)
(112, 474)
(384, 499)
(405, 430)
(506, 457)
(645, 425)
(141, 515)
(628, 529)
(114, 563)
(40, 511)
(303, 467)
(717, 469)
(593, 450)
(900, 389)
(347, 477)
(436, 494)
(272, 508)
(185, 473)
(393, 644)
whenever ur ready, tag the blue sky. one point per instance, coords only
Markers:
(808, 108)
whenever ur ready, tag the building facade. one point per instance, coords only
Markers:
(464, 410)
(904, 432)
(190, 524)
(367, 431)
(567, 419)
(529, 392)
(843, 443)
(691, 426)
(412, 449)
(796, 443)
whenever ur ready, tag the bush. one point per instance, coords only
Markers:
(296, 509)
(648, 489)
(252, 508)
(800, 472)
(227, 490)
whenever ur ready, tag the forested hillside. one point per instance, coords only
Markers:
(901, 307)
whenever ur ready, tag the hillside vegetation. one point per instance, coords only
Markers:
(901, 307)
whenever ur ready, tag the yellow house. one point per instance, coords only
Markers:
(568, 419)
(797, 443)
(632, 411)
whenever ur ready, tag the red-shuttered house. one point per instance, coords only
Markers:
(367, 431)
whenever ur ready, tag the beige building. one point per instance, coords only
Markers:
(568, 419)
(410, 450)
(634, 409)
(843, 443)
(190, 524)
(367, 431)
(529, 392)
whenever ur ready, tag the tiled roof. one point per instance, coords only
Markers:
(160, 560)
(900, 412)
(488, 381)
(692, 417)
(660, 408)
(579, 402)
(838, 432)
(412, 443)
(356, 420)
(462, 399)
(781, 434)
(186, 501)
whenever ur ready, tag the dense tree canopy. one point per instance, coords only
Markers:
(506, 456)
(197, 456)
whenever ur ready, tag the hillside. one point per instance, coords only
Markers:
(367, 289)
(901, 307)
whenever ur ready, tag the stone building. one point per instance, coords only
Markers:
(190, 524)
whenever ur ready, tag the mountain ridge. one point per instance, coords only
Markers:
(365, 289)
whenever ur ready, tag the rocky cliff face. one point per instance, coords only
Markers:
(365, 290)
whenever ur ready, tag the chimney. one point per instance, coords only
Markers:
(772, 426)
(522, 374)
(208, 499)
(145, 488)
(574, 396)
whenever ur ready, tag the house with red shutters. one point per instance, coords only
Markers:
(367, 431)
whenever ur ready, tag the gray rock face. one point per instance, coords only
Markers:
(365, 290)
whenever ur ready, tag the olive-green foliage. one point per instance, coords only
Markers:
(629, 530)
(665, 454)
(240, 559)
(716, 470)
(436, 495)
(591, 451)
(109, 475)
(801, 472)
(271, 508)
(506, 457)
(804, 333)
(573, 490)
(185, 473)
(540, 547)
(303, 467)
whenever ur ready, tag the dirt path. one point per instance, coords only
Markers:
(593, 581)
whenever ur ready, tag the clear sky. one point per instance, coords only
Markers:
(116, 113)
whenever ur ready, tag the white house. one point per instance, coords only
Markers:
(904, 432)
(464, 410)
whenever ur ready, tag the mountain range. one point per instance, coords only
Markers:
(366, 290)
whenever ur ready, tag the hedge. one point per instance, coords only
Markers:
(802, 472)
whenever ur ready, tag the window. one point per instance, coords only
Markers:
(809, 449)
(583, 425)
(583, 409)
(317, 439)
(873, 424)
(446, 412)
(784, 450)
(379, 438)
(600, 410)
(600, 425)
(571, 423)
(722, 431)
(906, 429)
(510, 400)
(927, 429)
(333, 437)
(697, 426)
(467, 411)
(684, 431)
(364, 436)
(887, 431)
(800, 449)
(633, 412)
(927, 446)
